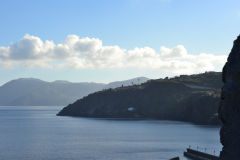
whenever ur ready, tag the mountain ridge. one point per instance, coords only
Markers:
(165, 99)
(32, 91)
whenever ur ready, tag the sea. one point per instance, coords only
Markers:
(36, 133)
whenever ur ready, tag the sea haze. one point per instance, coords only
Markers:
(36, 133)
(35, 92)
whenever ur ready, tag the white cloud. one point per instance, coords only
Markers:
(175, 53)
(90, 53)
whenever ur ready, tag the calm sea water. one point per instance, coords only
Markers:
(36, 133)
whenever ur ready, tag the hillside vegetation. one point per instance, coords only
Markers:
(191, 98)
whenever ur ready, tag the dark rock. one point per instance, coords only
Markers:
(229, 110)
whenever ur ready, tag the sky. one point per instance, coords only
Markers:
(107, 40)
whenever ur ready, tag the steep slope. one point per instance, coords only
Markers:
(229, 110)
(170, 99)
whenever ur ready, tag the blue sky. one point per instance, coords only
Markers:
(200, 26)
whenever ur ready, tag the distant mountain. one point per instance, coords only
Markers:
(35, 92)
(130, 82)
(192, 98)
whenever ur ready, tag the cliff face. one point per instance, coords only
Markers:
(181, 98)
(229, 110)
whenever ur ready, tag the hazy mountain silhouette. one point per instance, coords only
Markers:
(125, 83)
(35, 92)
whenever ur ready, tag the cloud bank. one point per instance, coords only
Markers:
(90, 53)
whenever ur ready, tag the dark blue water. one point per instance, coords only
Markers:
(35, 133)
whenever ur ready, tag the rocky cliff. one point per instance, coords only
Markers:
(229, 110)
(193, 98)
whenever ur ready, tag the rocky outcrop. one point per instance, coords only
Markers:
(229, 110)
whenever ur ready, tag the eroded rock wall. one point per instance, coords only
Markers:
(229, 110)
